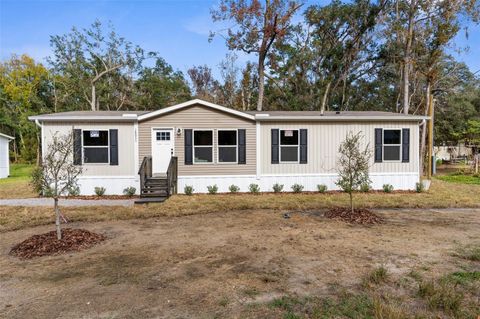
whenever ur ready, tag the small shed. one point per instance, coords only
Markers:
(4, 158)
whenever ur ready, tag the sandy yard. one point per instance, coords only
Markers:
(228, 264)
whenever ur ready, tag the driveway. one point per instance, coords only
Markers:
(31, 202)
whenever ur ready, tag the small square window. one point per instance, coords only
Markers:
(289, 145)
(163, 136)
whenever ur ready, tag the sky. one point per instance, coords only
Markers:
(178, 30)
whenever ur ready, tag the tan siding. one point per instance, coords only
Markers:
(323, 142)
(199, 117)
(126, 157)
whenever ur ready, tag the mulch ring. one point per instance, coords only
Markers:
(361, 216)
(48, 244)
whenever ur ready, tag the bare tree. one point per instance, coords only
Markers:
(58, 173)
(353, 165)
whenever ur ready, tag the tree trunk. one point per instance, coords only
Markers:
(93, 101)
(261, 80)
(351, 202)
(57, 219)
(324, 100)
(407, 58)
(423, 138)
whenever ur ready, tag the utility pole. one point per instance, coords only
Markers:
(430, 137)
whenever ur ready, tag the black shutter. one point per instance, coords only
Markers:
(405, 145)
(113, 140)
(242, 149)
(378, 145)
(77, 147)
(188, 147)
(303, 146)
(275, 146)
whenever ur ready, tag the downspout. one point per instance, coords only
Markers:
(37, 122)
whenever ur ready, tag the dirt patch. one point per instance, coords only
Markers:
(358, 216)
(48, 244)
(233, 264)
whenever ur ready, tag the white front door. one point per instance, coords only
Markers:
(162, 150)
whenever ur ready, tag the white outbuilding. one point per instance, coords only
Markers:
(4, 159)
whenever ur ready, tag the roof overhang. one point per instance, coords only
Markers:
(406, 118)
(77, 118)
(196, 102)
(8, 137)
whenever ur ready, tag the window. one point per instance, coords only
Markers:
(227, 146)
(288, 145)
(392, 140)
(163, 136)
(202, 147)
(95, 146)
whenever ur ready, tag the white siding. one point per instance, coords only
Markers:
(126, 147)
(4, 160)
(323, 142)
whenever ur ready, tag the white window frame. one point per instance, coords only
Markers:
(205, 146)
(232, 146)
(280, 147)
(108, 147)
(399, 145)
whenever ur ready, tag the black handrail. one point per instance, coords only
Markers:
(172, 175)
(145, 170)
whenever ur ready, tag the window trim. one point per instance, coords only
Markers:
(399, 145)
(205, 146)
(231, 146)
(92, 146)
(280, 147)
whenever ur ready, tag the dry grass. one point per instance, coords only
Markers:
(440, 195)
(253, 264)
(17, 184)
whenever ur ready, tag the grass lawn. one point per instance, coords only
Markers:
(17, 184)
(441, 195)
(254, 264)
(463, 179)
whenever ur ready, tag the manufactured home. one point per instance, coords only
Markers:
(4, 156)
(198, 144)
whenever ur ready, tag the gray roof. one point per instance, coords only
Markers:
(8, 137)
(91, 115)
(334, 116)
(116, 116)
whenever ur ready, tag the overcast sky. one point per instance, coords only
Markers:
(178, 30)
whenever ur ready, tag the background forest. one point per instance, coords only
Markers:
(388, 55)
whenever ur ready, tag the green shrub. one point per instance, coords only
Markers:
(234, 189)
(36, 180)
(74, 191)
(254, 188)
(213, 189)
(387, 188)
(419, 187)
(188, 190)
(129, 191)
(322, 188)
(365, 188)
(100, 191)
(297, 188)
(277, 188)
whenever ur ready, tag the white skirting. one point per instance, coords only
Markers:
(400, 181)
(114, 185)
